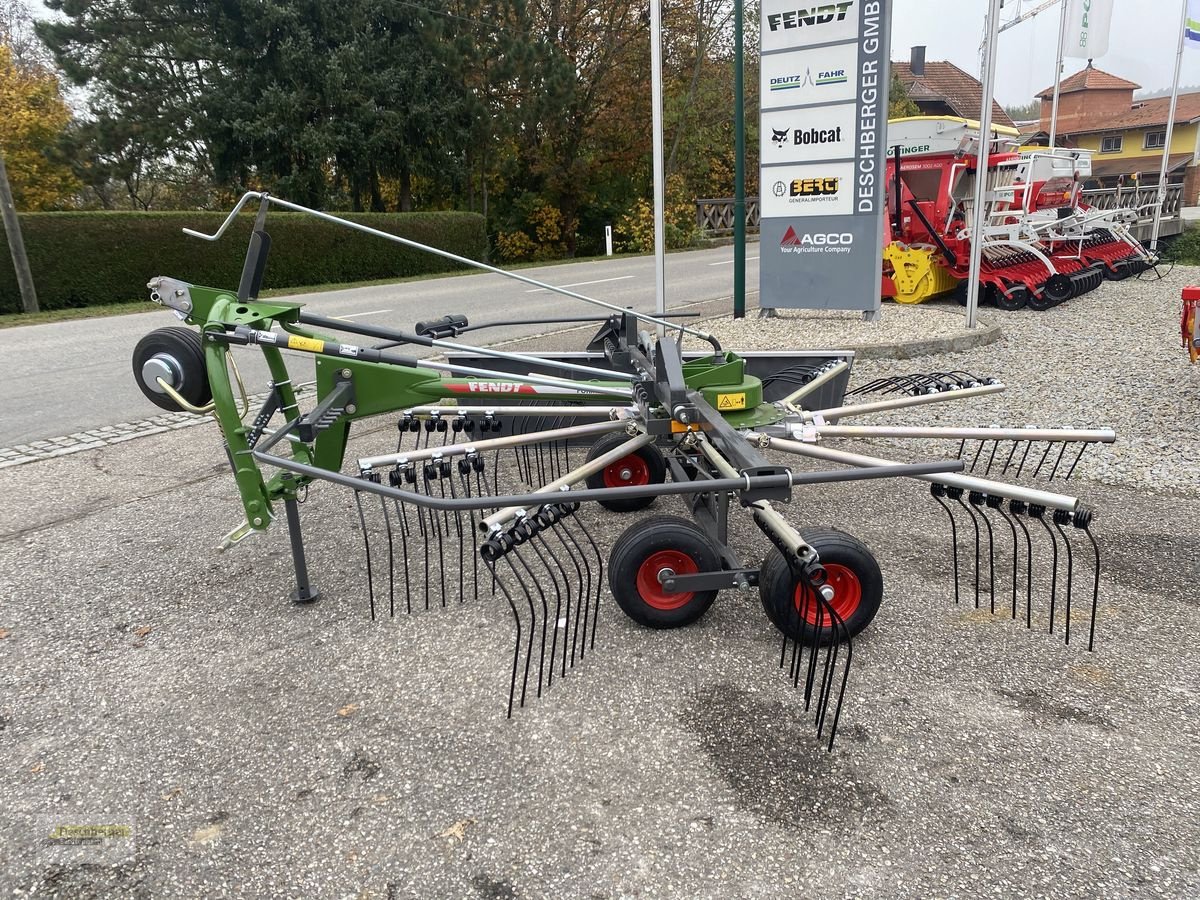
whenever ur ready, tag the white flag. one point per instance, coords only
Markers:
(1086, 34)
(1192, 28)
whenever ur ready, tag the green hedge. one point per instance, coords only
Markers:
(94, 258)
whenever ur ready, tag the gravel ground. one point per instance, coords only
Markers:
(802, 329)
(263, 750)
(1111, 358)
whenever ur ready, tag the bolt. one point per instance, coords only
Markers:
(345, 373)
(351, 408)
(664, 574)
(626, 474)
(178, 292)
(257, 521)
(827, 592)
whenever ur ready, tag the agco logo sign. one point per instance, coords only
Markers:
(816, 15)
(816, 242)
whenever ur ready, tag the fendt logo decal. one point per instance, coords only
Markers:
(505, 387)
(816, 15)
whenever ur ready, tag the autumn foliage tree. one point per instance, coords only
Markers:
(34, 117)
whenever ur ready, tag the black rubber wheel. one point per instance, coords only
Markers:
(1058, 289)
(644, 466)
(853, 574)
(645, 551)
(1042, 303)
(177, 356)
(1013, 302)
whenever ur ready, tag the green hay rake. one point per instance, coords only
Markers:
(504, 461)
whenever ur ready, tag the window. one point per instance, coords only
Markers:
(1155, 140)
(1111, 143)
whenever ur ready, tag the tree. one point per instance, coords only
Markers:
(900, 105)
(35, 118)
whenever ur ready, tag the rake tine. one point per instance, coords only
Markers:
(1011, 453)
(563, 532)
(997, 503)
(962, 446)
(1062, 517)
(1058, 461)
(600, 569)
(1079, 456)
(520, 537)
(1041, 462)
(814, 651)
(837, 708)
(831, 654)
(533, 541)
(938, 491)
(1024, 456)
(464, 477)
(387, 521)
(1019, 510)
(490, 550)
(992, 458)
(447, 476)
(975, 523)
(977, 500)
(532, 624)
(1083, 521)
(367, 545)
(400, 511)
(1039, 513)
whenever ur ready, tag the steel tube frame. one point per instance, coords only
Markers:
(450, 451)
(1101, 435)
(861, 409)
(1032, 496)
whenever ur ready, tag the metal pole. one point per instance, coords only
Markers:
(16, 245)
(1058, 65)
(981, 160)
(739, 168)
(656, 101)
(1166, 157)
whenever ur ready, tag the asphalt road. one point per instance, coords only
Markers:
(66, 377)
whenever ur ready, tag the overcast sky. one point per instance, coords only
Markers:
(1142, 44)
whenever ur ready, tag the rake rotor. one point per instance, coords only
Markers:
(504, 461)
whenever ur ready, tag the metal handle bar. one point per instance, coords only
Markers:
(445, 254)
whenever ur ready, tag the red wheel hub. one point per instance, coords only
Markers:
(628, 471)
(659, 565)
(847, 595)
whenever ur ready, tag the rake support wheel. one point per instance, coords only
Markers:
(644, 466)
(651, 550)
(853, 574)
(175, 355)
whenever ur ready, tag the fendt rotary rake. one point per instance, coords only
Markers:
(1041, 243)
(504, 460)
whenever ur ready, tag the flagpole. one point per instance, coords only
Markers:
(1058, 67)
(981, 160)
(1162, 172)
(656, 120)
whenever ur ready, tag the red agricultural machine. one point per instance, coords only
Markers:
(1042, 244)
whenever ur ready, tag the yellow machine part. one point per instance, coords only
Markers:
(916, 275)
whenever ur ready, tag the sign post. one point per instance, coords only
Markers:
(824, 101)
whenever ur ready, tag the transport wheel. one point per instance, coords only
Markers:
(650, 551)
(177, 357)
(1118, 271)
(853, 574)
(644, 466)
(1058, 289)
(1015, 300)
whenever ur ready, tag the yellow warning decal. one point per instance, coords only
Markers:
(295, 342)
(680, 428)
(731, 401)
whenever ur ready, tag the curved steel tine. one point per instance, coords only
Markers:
(1061, 517)
(465, 479)
(512, 686)
(1019, 510)
(1096, 584)
(1040, 516)
(1024, 456)
(599, 581)
(991, 458)
(545, 614)
(962, 446)
(1058, 461)
(975, 523)
(1041, 462)
(387, 521)
(997, 504)
(362, 519)
(553, 572)
(978, 453)
(448, 476)
(937, 491)
(1078, 457)
(837, 709)
(814, 650)
(563, 532)
(401, 511)
(831, 654)
(978, 500)
(532, 624)
(1011, 453)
